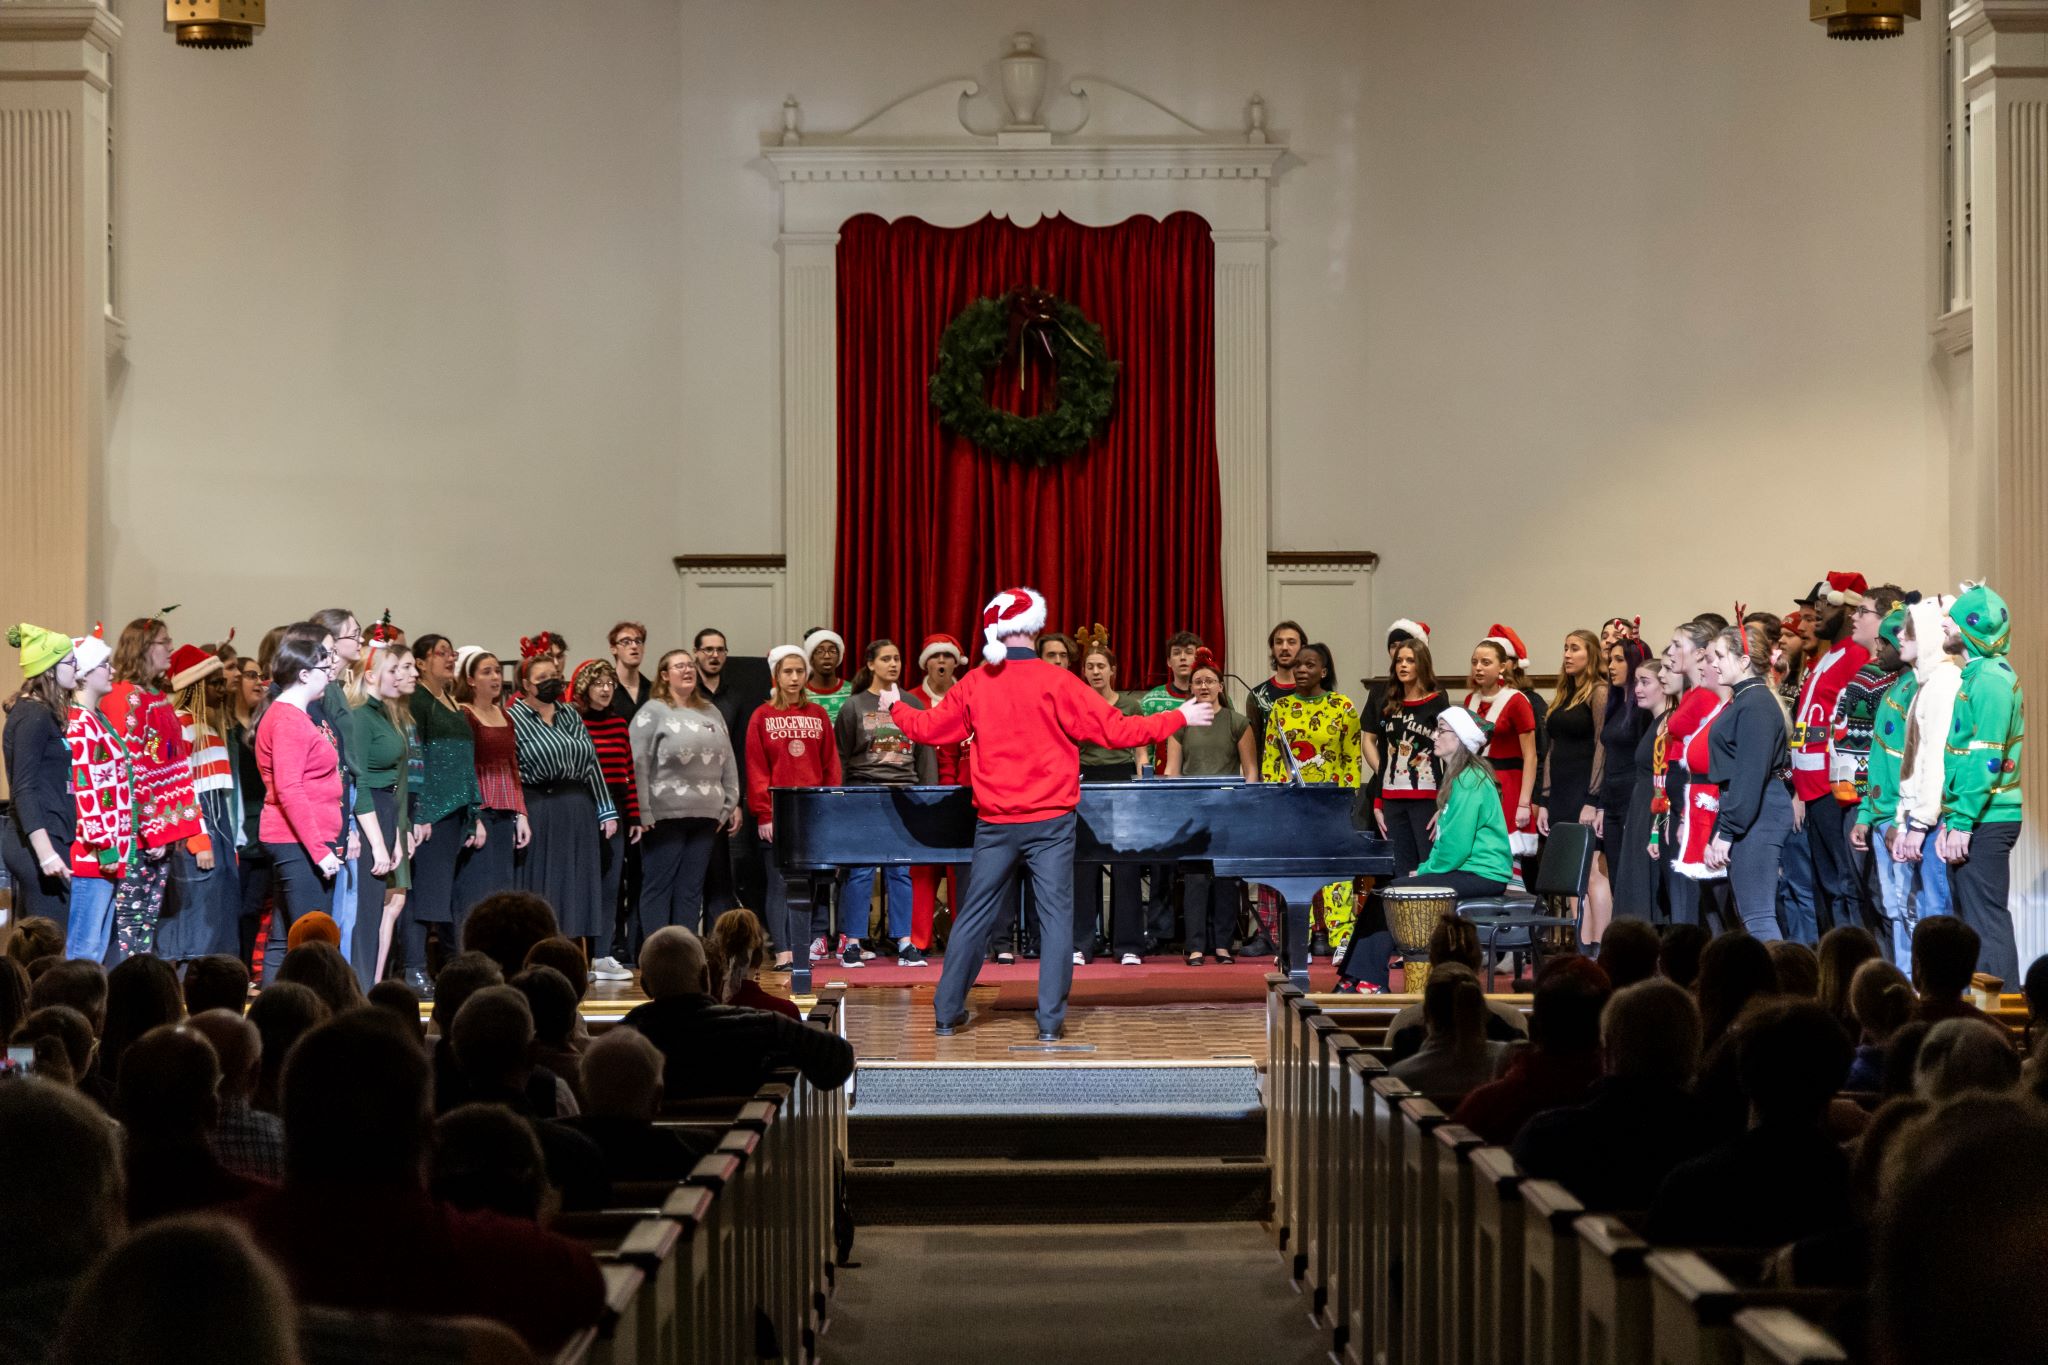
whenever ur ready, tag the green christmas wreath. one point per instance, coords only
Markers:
(1013, 326)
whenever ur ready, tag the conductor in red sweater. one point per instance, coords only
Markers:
(1028, 720)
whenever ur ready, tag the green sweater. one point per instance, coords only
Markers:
(1981, 768)
(1471, 832)
(1888, 751)
(450, 750)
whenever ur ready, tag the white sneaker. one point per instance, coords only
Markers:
(819, 952)
(1080, 960)
(1131, 960)
(608, 969)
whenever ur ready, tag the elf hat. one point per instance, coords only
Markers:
(190, 663)
(819, 637)
(781, 652)
(1414, 630)
(1013, 611)
(92, 651)
(41, 650)
(1466, 727)
(1509, 641)
(1889, 628)
(938, 644)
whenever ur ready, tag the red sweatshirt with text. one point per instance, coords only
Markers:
(1027, 720)
(788, 748)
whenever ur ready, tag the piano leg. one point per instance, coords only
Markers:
(1296, 895)
(801, 895)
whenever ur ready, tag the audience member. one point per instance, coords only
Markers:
(1902, 1058)
(1843, 951)
(401, 1002)
(218, 981)
(142, 994)
(322, 969)
(622, 1085)
(1880, 1003)
(1944, 960)
(493, 1047)
(1734, 970)
(1563, 1059)
(715, 1049)
(315, 926)
(1950, 1286)
(553, 1002)
(1631, 954)
(566, 956)
(1797, 968)
(36, 936)
(737, 948)
(1783, 1178)
(1614, 1151)
(184, 1291)
(61, 1206)
(1840, 1259)
(1965, 1054)
(505, 927)
(1454, 940)
(13, 996)
(169, 1101)
(1678, 961)
(487, 1157)
(247, 1141)
(81, 985)
(354, 1226)
(2034, 990)
(461, 977)
(1456, 1057)
(282, 1014)
(63, 1043)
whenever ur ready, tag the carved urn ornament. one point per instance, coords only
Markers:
(1023, 84)
(214, 23)
(1862, 20)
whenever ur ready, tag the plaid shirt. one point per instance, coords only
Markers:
(249, 1142)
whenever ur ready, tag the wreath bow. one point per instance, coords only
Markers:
(1033, 313)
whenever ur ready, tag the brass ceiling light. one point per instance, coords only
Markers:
(1859, 20)
(214, 23)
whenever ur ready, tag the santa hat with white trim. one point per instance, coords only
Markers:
(1013, 611)
(1414, 630)
(781, 652)
(1508, 641)
(939, 644)
(819, 637)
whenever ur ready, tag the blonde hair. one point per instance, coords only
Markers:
(736, 947)
(1572, 693)
(380, 661)
(1455, 766)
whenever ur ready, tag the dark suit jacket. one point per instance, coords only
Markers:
(717, 1049)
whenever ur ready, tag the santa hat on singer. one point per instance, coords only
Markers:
(1508, 641)
(1013, 611)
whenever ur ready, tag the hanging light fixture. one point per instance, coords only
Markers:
(1859, 20)
(214, 23)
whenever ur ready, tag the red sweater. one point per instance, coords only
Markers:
(1816, 712)
(1028, 720)
(950, 756)
(788, 748)
(609, 735)
(301, 781)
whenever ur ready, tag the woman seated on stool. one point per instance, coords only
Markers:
(1470, 856)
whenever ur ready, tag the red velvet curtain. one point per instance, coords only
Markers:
(1124, 532)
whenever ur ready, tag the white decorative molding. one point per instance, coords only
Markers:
(1952, 330)
(744, 596)
(1332, 599)
(960, 149)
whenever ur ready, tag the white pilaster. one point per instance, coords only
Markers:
(2004, 65)
(810, 422)
(54, 80)
(1242, 446)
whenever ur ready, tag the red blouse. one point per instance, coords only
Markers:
(497, 764)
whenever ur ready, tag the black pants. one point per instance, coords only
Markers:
(482, 872)
(300, 890)
(1126, 908)
(1017, 905)
(258, 879)
(1835, 899)
(1046, 848)
(1211, 903)
(34, 893)
(370, 890)
(1980, 887)
(1408, 831)
(674, 856)
(432, 899)
(1372, 945)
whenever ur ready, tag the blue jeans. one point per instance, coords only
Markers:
(1912, 891)
(860, 886)
(1795, 891)
(92, 917)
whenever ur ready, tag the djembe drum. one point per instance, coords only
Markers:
(1412, 916)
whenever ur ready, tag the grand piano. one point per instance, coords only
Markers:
(1293, 838)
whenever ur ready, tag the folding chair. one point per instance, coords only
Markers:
(1514, 924)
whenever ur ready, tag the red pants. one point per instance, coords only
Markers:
(924, 899)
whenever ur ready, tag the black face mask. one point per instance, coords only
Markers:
(549, 690)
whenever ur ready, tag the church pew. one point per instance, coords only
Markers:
(1351, 1311)
(1332, 1158)
(1779, 1336)
(648, 1245)
(1384, 1272)
(1456, 1282)
(612, 1340)
(1280, 1007)
(1420, 1117)
(1496, 1258)
(1550, 1273)
(1614, 1292)
(1311, 1172)
(1693, 1305)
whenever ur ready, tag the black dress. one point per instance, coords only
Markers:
(1618, 774)
(1635, 878)
(1572, 745)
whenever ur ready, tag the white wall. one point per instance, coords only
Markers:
(1549, 283)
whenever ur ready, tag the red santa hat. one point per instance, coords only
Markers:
(1846, 589)
(1509, 641)
(1415, 630)
(938, 644)
(1013, 611)
(91, 650)
(190, 663)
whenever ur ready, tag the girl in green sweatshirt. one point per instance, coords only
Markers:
(1470, 856)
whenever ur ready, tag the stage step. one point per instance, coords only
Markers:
(1064, 1085)
(994, 1190)
(1054, 1137)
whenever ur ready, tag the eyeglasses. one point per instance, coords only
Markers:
(712, 649)
(355, 634)
(630, 640)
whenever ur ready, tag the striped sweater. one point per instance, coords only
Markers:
(611, 735)
(560, 751)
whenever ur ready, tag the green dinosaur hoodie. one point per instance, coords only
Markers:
(1981, 772)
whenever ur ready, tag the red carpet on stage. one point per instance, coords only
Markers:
(1160, 981)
